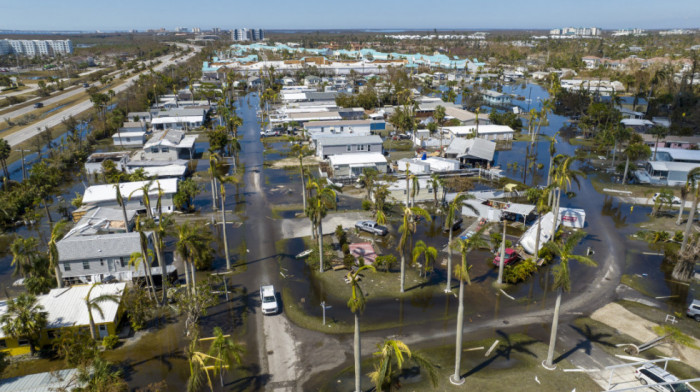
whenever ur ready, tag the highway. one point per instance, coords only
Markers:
(21, 135)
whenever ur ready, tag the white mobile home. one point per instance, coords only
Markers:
(129, 139)
(529, 239)
(341, 145)
(352, 165)
(106, 195)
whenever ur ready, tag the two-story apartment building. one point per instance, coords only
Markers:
(341, 145)
(494, 98)
(94, 258)
(169, 145)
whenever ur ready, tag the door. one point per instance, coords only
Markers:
(103, 331)
(111, 266)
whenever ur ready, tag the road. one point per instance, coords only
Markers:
(28, 132)
(48, 101)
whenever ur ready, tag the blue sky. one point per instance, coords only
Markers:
(334, 14)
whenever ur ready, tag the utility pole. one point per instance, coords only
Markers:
(503, 254)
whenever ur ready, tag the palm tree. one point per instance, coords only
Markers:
(24, 319)
(146, 256)
(356, 303)
(57, 232)
(193, 245)
(390, 360)
(454, 207)
(301, 151)
(562, 281)
(564, 175)
(120, 201)
(435, 182)
(368, 179)
(462, 273)
(94, 304)
(381, 192)
(636, 150)
(439, 117)
(415, 188)
(223, 181)
(226, 351)
(660, 132)
(324, 199)
(429, 254)
(24, 251)
(408, 182)
(198, 362)
(408, 227)
(620, 135)
(214, 168)
(552, 153)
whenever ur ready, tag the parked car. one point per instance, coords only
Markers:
(269, 133)
(467, 235)
(694, 310)
(38, 105)
(86, 85)
(268, 299)
(455, 225)
(372, 227)
(674, 200)
(511, 257)
(651, 374)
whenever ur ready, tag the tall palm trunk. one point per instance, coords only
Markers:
(193, 277)
(407, 190)
(357, 353)
(403, 269)
(502, 255)
(689, 224)
(126, 220)
(555, 212)
(303, 182)
(59, 277)
(614, 153)
(163, 270)
(456, 377)
(92, 324)
(188, 283)
(223, 230)
(553, 335)
(320, 245)
(627, 166)
(537, 238)
(213, 193)
(448, 285)
(48, 214)
(680, 211)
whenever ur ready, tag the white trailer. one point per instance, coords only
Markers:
(573, 217)
(528, 240)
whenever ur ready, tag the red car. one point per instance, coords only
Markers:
(511, 257)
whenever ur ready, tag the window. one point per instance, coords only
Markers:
(23, 342)
(3, 343)
(66, 267)
(154, 150)
(52, 334)
(369, 147)
(102, 262)
(129, 139)
(349, 148)
(164, 149)
(122, 262)
(86, 265)
(361, 147)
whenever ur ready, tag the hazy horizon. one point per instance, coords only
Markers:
(407, 15)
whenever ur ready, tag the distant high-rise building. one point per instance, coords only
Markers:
(36, 47)
(576, 32)
(247, 34)
(196, 30)
(215, 30)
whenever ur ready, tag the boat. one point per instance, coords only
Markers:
(304, 254)
(528, 240)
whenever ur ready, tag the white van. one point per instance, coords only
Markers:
(651, 374)
(268, 299)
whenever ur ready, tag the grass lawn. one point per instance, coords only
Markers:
(513, 365)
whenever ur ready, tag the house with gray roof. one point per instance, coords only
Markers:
(341, 145)
(474, 152)
(60, 380)
(95, 258)
(168, 145)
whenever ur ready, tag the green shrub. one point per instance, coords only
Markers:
(678, 236)
(519, 272)
(341, 235)
(366, 205)
(348, 261)
(110, 341)
(346, 249)
(385, 261)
